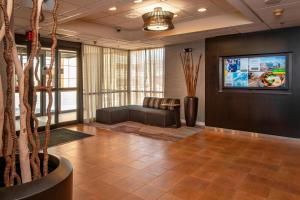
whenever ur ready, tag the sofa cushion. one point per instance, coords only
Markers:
(173, 101)
(157, 103)
(158, 117)
(146, 101)
(157, 111)
(113, 109)
(164, 101)
(137, 113)
(151, 102)
(137, 108)
(112, 115)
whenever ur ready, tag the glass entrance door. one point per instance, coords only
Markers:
(64, 107)
(42, 96)
(67, 86)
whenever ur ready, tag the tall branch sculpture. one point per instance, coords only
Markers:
(28, 138)
(190, 72)
(9, 132)
(2, 33)
(49, 88)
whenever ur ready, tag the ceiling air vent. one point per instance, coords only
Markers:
(272, 2)
(60, 35)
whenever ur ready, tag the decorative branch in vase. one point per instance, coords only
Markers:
(28, 162)
(191, 72)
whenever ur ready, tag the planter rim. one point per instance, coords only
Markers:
(26, 190)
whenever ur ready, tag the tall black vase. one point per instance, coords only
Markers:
(190, 110)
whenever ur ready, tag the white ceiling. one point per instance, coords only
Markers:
(90, 21)
(187, 10)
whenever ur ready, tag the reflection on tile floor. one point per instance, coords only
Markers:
(64, 117)
(206, 166)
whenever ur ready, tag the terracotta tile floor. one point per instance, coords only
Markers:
(208, 166)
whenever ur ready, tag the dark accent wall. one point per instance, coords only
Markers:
(276, 113)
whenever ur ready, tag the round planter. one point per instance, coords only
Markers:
(58, 184)
(190, 110)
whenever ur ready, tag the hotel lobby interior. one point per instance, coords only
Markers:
(149, 99)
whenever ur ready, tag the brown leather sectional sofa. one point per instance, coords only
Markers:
(153, 112)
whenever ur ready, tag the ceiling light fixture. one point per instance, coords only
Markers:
(137, 1)
(158, 20)
(202, 9)
(114, 8)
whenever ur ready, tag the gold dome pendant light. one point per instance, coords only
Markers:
(158, 20)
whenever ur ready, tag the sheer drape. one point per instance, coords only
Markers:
(92, 66)
(105, 79)
(146, 74)
(115, 78)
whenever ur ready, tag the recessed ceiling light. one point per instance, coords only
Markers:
(278, 12)
(202, 9)
(113, 8)
(137, 1)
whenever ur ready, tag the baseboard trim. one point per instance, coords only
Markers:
(251, 134)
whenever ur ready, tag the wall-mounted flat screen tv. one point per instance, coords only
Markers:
(256, 72)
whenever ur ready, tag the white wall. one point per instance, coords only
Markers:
(174, 81)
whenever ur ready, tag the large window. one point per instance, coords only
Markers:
(146, 74)
(111, 79)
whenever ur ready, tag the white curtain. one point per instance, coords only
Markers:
(147, 74)
(105, 79)
(115, 78)
(92, 65)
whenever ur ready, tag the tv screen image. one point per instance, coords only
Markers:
(255, 72)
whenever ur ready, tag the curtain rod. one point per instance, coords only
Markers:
(123, 49)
